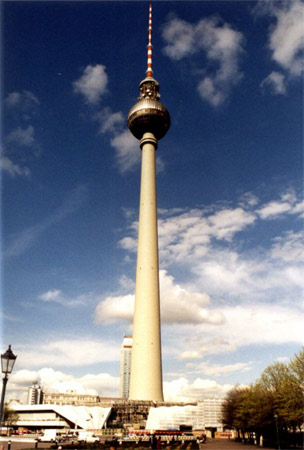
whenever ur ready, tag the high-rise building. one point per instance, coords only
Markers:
(35, 394)
(148, 121)
(125, 366)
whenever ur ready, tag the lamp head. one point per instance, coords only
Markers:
(7, 361)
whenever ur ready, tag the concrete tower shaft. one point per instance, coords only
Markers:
(148, 121)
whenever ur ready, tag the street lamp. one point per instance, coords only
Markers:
(277, 428)
(7, 363)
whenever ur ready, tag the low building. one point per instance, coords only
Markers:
(121, 414)
(35, 417)
(70, 398)
(203, 415)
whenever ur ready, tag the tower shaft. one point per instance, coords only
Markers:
(146, 366)
(148, 121)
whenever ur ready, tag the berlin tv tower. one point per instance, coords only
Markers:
(148, 121)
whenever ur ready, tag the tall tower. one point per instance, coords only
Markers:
(35, 394)
(125, 366)
(148, 121)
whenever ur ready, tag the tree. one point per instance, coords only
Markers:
(280, 380)
(278, 395)
(10, 417)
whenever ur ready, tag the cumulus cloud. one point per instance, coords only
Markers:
(289, 247)
(127, 151)
(23, 105)
(286, 37)
(51, 380)
(179, 389)
(288, 203)
(21, 136)
(230, 271)
(253, 324)
(20, 144)
(183, 390)
(109, 122)
(184, 235)
(220, 43)
(175, 302)
(276, 82)
(8, 166)
(92, 84)
(67, 353)
(285, 42)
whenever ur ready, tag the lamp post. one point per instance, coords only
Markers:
(277, 428)
(7, 363)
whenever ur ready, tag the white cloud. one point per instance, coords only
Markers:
(175, 303)
(17, 99)
(283, 359)
(260, 323)
(92, 84)
(23, 105)
(178, 390)
(289, 247)
(57, 296)
(199, 345)
(216, 370)
(227, 222)
(127, 151)
(109, 122)
(13, 169)
(20, 143)
(51, 295)
(182, 390)
(222, 46)
(187, 235)
(126, 283)
(286, 38)
(254, 324)
(115, 309)
(76, 352)
(286, 42)
(174, 306)
(180, 38)
(236, 276)
(287, 204)
(276, 82)
(56, 381)
(22, 136)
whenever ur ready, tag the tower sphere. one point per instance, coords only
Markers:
(149, 115)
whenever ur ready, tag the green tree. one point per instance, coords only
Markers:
(279, 392)
(10, 417)
(280, 380)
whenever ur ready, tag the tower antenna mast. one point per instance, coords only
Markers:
(149, 71)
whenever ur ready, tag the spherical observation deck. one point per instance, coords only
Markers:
(149, 115)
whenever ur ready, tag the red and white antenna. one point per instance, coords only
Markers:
(149, 71)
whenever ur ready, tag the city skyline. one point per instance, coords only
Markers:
(229, 190)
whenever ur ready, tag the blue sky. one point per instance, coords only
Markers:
(229, 190)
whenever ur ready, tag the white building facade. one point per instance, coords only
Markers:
(205, 414)
(35, 394)
(125, 366)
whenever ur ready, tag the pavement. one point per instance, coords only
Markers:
(211, 444)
